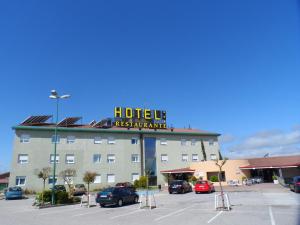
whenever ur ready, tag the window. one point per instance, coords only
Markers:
(135, 158)
(70, 139)
(213, 156)
(24, 138)
(164, 158)
(97, 179)
(215, 174)
(183, 142)
(50, 180)
(111, 140)
(110, 178)
(195, 158)
(57, 139)
(193, 142)
(96, 158)
(20, 180)
(97, 140)
(70, 158)
(135, 176)
(163, 141)
(111, 158)
(211, 142)
(22, 158)
(185, 158)
(134, 141)
(52, 158)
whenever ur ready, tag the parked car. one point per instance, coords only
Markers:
(204, 186)
(79, 189)
(117, 196)
(13, 193)
(126, 184)
(295, 184)
(179, 186)
(59, 187)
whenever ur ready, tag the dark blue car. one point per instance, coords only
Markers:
(13, 193)
(117, 196)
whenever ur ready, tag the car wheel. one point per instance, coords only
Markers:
(196, 192)
(120, 202)
(102, 205)
(170, 192)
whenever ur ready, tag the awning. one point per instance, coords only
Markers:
(182, 170)
(265, 167)
(4, 181)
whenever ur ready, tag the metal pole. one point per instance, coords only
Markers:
(54, 163)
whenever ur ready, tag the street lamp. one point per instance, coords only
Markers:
(55, 96)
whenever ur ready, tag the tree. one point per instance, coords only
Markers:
(44, 174)
(89, 177)
(220, 164)
(203, 150)
(67, 175)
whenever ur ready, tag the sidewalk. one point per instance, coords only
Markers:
(264, 187)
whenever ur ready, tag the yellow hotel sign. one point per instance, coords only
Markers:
(140, 118)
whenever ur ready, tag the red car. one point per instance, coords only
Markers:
(204, 186)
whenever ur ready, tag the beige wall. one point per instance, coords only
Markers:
(231, 168)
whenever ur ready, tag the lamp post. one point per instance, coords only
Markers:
(55, 96)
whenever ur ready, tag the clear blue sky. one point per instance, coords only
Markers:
(231, 67)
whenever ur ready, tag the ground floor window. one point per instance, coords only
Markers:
(50, 180)
(97, 179)
(213, 176)
(135, 176)
(110, 178)
(20, 180)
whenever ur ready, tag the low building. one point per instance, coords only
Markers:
(4, 180)
(284, 167)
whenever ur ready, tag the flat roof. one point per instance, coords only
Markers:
(87, 128)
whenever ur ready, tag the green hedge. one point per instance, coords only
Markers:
(61, 197)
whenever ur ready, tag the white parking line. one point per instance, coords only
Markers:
(58, 211)
(126, 214)
(219, 213)
(271, 216)
(172, 213)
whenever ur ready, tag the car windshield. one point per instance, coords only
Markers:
(111, 189)
(14, 189)
(177, 182)
(297, 179)
(201, 182)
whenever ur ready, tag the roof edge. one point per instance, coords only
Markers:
(99, 130)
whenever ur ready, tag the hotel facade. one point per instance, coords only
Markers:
(116, 153)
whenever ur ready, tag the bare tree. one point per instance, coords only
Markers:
(67, 175)
(88, 178)
(44, 174)
(220, 164)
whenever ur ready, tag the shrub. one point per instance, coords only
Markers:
(29, 192)
(47, 196)
(214, 179)
(141, 183)
(62, 197)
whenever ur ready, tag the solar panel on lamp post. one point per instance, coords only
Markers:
(55, 96)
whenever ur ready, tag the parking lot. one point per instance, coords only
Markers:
(261, 206)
